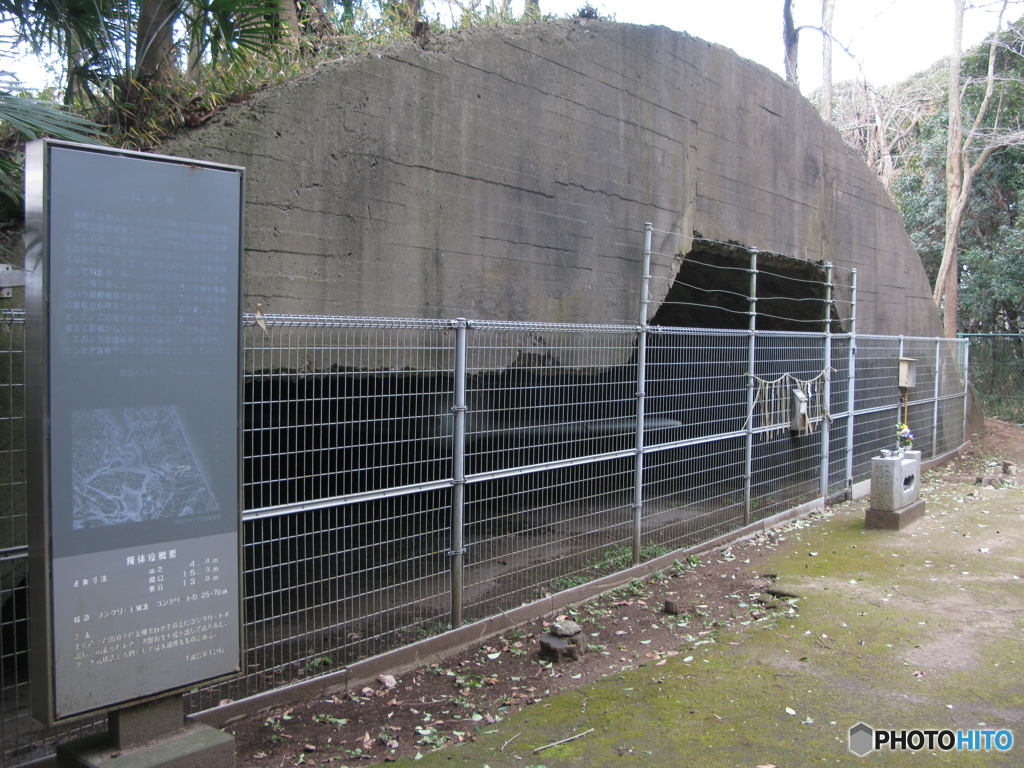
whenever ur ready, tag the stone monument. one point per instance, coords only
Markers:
(895, 490)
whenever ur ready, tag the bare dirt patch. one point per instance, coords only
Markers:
(1002, 442)
(453, 700)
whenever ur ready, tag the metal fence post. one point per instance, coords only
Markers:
(903, 410)
(458, 550)
(645, 276)
(967, 389)
(937, 393)
(748, 458)
(851, 386)
(826, 421)
(641, 379)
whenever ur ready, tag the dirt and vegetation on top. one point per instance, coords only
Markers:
(643, 623)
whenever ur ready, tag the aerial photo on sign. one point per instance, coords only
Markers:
(134, 464)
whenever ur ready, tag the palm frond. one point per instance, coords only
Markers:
(30, 118)
(35, 118)
(230, 28)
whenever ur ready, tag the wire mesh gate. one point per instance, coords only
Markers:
(405, 475)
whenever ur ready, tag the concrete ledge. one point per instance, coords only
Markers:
(895, 520)
(963, 450)
(195, 746)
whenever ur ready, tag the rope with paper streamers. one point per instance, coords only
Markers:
(772, 402)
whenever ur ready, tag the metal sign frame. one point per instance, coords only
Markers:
(134, 414)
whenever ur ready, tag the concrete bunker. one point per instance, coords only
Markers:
(524, 203)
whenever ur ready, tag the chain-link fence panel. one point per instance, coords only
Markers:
(997, 372)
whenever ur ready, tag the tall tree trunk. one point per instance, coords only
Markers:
(960, 170)
(154, 42)
(827, 11)
(74, 59)
(790, 39)
(407, 12)
(194, 62)
(288, 16)
(946, 284)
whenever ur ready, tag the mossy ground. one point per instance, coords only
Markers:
(915, 629)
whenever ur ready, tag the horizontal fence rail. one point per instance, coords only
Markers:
(402, 477)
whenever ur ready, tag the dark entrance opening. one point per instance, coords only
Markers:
(712, 290)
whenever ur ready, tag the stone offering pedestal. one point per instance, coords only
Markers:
(564, 642)
(895, 491)
(151, 735)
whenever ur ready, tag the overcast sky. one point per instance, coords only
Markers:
(891, 39)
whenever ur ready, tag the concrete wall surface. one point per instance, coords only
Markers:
(506, 173)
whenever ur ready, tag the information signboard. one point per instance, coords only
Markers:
(133, 302)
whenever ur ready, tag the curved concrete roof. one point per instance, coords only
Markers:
(506, 173)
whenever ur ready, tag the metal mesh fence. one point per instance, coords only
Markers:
(877, 399)
(696, 404)
(335, 408)
(24, 740)
(693, 494)
(787, 464)
(551, 418)
(997, 373)
(840, 444)
(402, 476)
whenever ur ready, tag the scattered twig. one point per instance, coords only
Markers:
(562, 741)
(780, 593)
(515, 624)
(509, 742)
